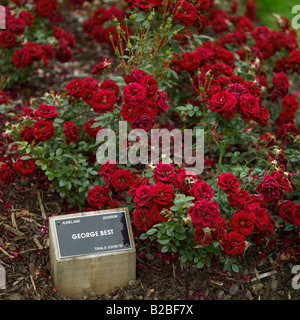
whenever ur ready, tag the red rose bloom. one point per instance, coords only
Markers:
(239, 199)
(134, 93)
(151, 108)
(204, 213)
(262, 221)
(106, 171)
(130, 112)
(7, 173)
(201, 190)
(27, 17)
(164, 173)
(185, 13)
(224, 103)
(287, 132)
(242, 222)
(111, 86)
(229, 183)
(76, 87)
(150, 84)
(99, 197)
(143, 197)
(285, 210)
(16, 25)
(71, 132)
(204, 237)
(46, 8)
(47, 112)
(43, 130)
(101, 66)
(233, 244)
(143, 218)
(144, 122)
(296, 215)
(163, 194)
(249, 106)
(21, 59)
(281, 82)
(92, 131)
(122, 179)
(103, 101)
(7, 39)
(34, 49)
(25, 168)
(28, 135)
(270, 189)
(162, 102)
(290, 103)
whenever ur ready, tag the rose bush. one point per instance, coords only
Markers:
(238, 84)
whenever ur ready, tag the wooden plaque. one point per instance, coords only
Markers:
(92, 253)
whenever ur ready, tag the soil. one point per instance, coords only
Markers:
(25, 257)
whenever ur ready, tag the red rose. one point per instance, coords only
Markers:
(163, 194)
(262, 221)
(287, 132)
(262, 116)
(296, 215)
(224, 103)
(233, 244)
(134, 93)
(184, 182)
(28, 135)
(220, 229)
(144, 122)
(76, 87)
(45, 8)
(16, 25)
(229, 183)
(64, 53)
(43, 130)
(185, 13)
(27, 17)
(151, 108)
(162, 102)
(71, 132)
(242, 222)
(7, 39)
(239, 199)
(204, 213)
(25, 168)
(270, 189)
(143, 197)
(150, 84)
(290, 103)
(122, 179)
(144, 4)
(285, 210)
(201, 190)
(101, 66)
(249, 106)
(281, 82)
(111, 86)
(98, 196)
(92, 131)
(103, 101)
(47, 51)
(282, 180)
(106, 171)
(143, 218)
(7, 173)
(204, 236)
(21, 59)
(47, 112)
(129, 112)
(34, 49)
(164, 173)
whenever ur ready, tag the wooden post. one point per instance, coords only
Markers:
(76, 270)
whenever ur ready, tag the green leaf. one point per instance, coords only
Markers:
(200, 264)
(151, 231)
(26, 158)
(235, 268)
(59, 151)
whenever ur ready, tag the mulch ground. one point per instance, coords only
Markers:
(24, 255)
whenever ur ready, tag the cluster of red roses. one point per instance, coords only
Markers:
(142, 100)
(94, 26)
(28, 52)
(101, 97)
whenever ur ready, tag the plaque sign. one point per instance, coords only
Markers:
(92, 234)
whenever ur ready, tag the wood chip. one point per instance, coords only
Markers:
(263, 275)
(41, 205)
(14, 231)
